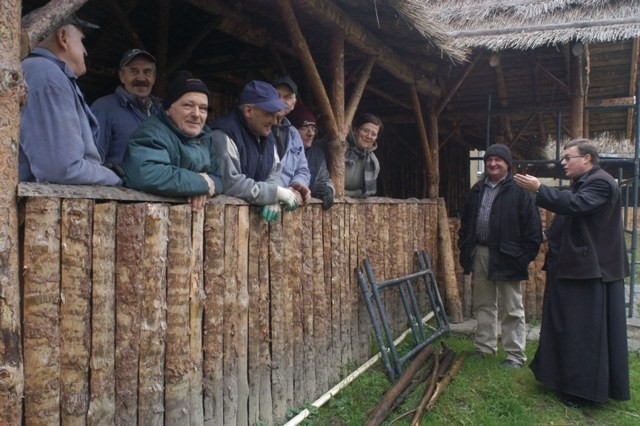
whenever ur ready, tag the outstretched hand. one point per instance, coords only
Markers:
(528, 182)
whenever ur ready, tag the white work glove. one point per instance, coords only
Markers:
(288, 198)
(271, 212)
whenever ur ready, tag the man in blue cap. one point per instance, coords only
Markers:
(246, 150)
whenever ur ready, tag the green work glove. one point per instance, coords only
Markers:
(271, 212)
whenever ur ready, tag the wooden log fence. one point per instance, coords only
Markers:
(144, 312)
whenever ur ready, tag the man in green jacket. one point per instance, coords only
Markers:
(171, 153)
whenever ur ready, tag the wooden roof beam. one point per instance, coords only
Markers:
(327, 12)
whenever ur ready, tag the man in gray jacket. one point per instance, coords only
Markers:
(58, 131)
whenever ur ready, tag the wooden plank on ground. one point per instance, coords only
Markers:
(41, 323)
(214, 281)
(75, 292)
(278, 324)
(129, 288)
(177, 362)
(153, 317)
(230, 359)
(196, 299)
(102, 405)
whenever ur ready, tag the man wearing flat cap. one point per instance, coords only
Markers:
(58, 131)
(246, 150)
(172, 153)
(121, 112)
(500, 233)
(295, 170)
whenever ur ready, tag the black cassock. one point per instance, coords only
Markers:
(583, 338)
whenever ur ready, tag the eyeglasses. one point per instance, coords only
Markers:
(371, 133)
(569, 157)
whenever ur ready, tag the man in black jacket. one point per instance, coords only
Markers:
(500, 234)
(583, 340)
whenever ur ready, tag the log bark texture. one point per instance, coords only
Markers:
(102, 404)
(41, 272)
(177, 361)
(153, 323)
(11, 97)
(75, 292)
(445, 248)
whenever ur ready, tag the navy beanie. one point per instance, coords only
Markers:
(498, 150)
(183, 83)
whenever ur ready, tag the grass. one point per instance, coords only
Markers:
(482, 393)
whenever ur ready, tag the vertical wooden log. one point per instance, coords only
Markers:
(362, 252)
(241, 346)
(153, 322)
(75, 292)
(351, 217)
(41, 274)
(177, 361)
(308, 351)
(230, 326)
(337, 145)
(577, 89)
(264, 315)
(294, 233)
(278, 324)
(129, 288)
(434, 143)
(321, 312)
(346, 294)
(213, 313)
(11, 98)
(102, 405)
(196, 297)
(424, 139)
(454, 307)
(335, 359)
(260, 403)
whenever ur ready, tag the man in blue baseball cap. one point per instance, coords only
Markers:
(246, 150)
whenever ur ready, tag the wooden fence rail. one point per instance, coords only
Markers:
(144, 312)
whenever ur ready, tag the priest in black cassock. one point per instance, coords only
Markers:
(583, 338)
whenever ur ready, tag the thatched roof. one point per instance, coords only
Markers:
(522, 24)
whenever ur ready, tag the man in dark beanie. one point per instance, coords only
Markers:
(172, 152)
(500, 233)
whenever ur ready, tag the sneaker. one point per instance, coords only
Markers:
(509, 363)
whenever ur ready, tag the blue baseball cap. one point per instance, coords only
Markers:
(262, 95)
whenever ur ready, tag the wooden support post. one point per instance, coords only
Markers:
(454, 88)
(162, 52)
(356, 94)
(129, 29)
(433, 132)
(445, 249)
(11, 97)
(422, 132)
(337, 145)
(503, 96)
(576, 75)
(633, 80)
